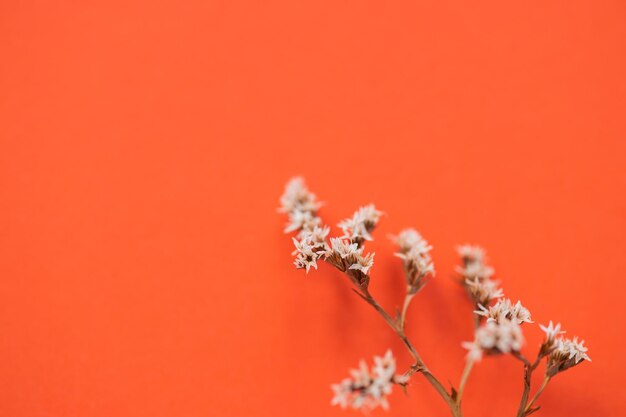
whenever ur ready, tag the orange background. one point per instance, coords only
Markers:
(144, 146)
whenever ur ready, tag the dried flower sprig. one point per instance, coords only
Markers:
(414, 251)
(500, 334)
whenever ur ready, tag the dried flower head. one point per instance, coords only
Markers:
(482, 291)
(408, 239)
(473, 263)
(566, 354)
(306, 257)
(363, 263)
(367, 389)
(551, 332)
(317, 236)
(300, 205)
(301, 220)
(297, 197)
(344, 249)
(504, 336)
(358, 227)
(415, 254)
(348, 257)
(504, 309)
(311, 247)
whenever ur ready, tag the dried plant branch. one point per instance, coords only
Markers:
(500, 334)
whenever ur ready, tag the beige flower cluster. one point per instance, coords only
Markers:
(415, 254)
(562, 353)
(367, 389)
(476, 275)
(504, 309)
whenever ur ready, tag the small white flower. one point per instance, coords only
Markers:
(416, 261)
(316, 237)
(415, 253)
(364, 263)
(408, 239)
(343, 248)
(502, 337)
(306, 257)
(473, 258)
(572, 349)
(551, 332)
(298, 220)
(483, 291)
(343, 393)
(358, 227)
(298, 197)
(505, 309)
(471, 253)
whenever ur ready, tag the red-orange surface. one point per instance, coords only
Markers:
(144, 146)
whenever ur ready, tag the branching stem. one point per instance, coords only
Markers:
(546, 379)
(419, 365)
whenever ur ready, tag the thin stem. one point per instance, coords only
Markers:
(405, 307)
(527, 378)
(466, 372)
(546, 379)
(522, 358)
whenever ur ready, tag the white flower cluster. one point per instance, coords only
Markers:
(566, 354)
(311, 247)
(504, 336)
(551, 332)
(346, 252)
(502, 332)
(358, 227)
(414, 251)
(347, 256)
(504, 309)
(367, 389)
(482, 292)
(301, 206)
(562, 353)
(477, 275)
